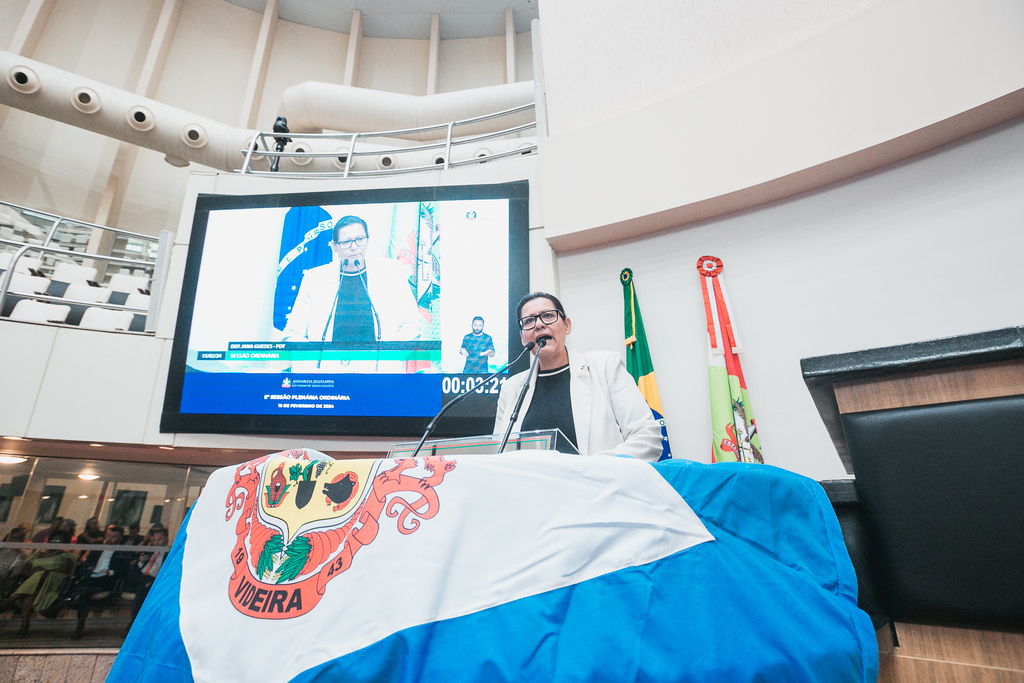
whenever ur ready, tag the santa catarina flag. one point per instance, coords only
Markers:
(416, 242)
(733, 430)
(305, 244)
(638, 356)
(516, 567)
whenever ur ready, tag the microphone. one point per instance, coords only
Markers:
(457, 399)
(534, 364)
(330, 315)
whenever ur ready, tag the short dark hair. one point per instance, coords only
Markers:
(348, 220)
(116, 527)
(539, 295)
(478, 318)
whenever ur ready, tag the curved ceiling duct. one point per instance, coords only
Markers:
(313, 107)
(77, 101)
(184, 137)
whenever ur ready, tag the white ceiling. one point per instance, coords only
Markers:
(406, 18)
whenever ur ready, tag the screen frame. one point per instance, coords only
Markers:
(174, 421)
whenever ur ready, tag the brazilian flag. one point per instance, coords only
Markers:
(638, 356)
(305, 243)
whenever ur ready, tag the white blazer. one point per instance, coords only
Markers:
(610, 414)
(312, 315)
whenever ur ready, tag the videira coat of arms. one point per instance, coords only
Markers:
(302, 518)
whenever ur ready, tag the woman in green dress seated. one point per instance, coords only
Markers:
(46, 571)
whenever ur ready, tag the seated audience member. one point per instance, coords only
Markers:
(589, 396)
(142, 573)
(43, 535)
(100, 571)
(92, 533)
(46, 571)
(11, 560)
(68, 527)
(133, 537)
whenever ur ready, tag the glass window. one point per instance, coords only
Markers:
(38, 494)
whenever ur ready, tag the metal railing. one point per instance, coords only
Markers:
(450, 142)
(157, 267)
(64, 220)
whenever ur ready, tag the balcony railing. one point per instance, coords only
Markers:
(55, 239)
(263, 145)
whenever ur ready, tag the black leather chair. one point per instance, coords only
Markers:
(942, 495)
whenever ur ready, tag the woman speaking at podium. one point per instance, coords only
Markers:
(589, 396)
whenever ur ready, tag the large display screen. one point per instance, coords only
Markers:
(350, 312)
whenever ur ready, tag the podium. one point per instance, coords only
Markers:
(931, 430)
(536, 440)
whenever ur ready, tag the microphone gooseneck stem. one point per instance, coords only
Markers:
(373, 309)
(459, 398)
(522, 394)
(330, 315)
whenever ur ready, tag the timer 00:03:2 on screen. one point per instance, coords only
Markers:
(464, 385)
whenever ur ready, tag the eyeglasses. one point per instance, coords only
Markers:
(347, 244)
(546, 317)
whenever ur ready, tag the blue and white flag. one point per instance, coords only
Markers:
(305, 244)
(525, 567)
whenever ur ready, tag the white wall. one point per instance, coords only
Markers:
(524, 56)
(899, 78)
(9, 18)
(471, 63)
(154, 195)
(208, 65)
(394, 64)
(604, 58)
(300, 54)
(927, 249)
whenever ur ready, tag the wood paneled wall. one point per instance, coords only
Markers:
(928, 387)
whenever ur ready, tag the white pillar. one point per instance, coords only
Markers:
(109, 211)
(541, 107)
(258, 71)
(159, 46)
(434, 63)
(510, 47)
(31, 26)
(26, 35)
(355, 40)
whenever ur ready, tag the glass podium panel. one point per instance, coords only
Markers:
(537, 440)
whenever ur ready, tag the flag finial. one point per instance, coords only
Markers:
(709, 266)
